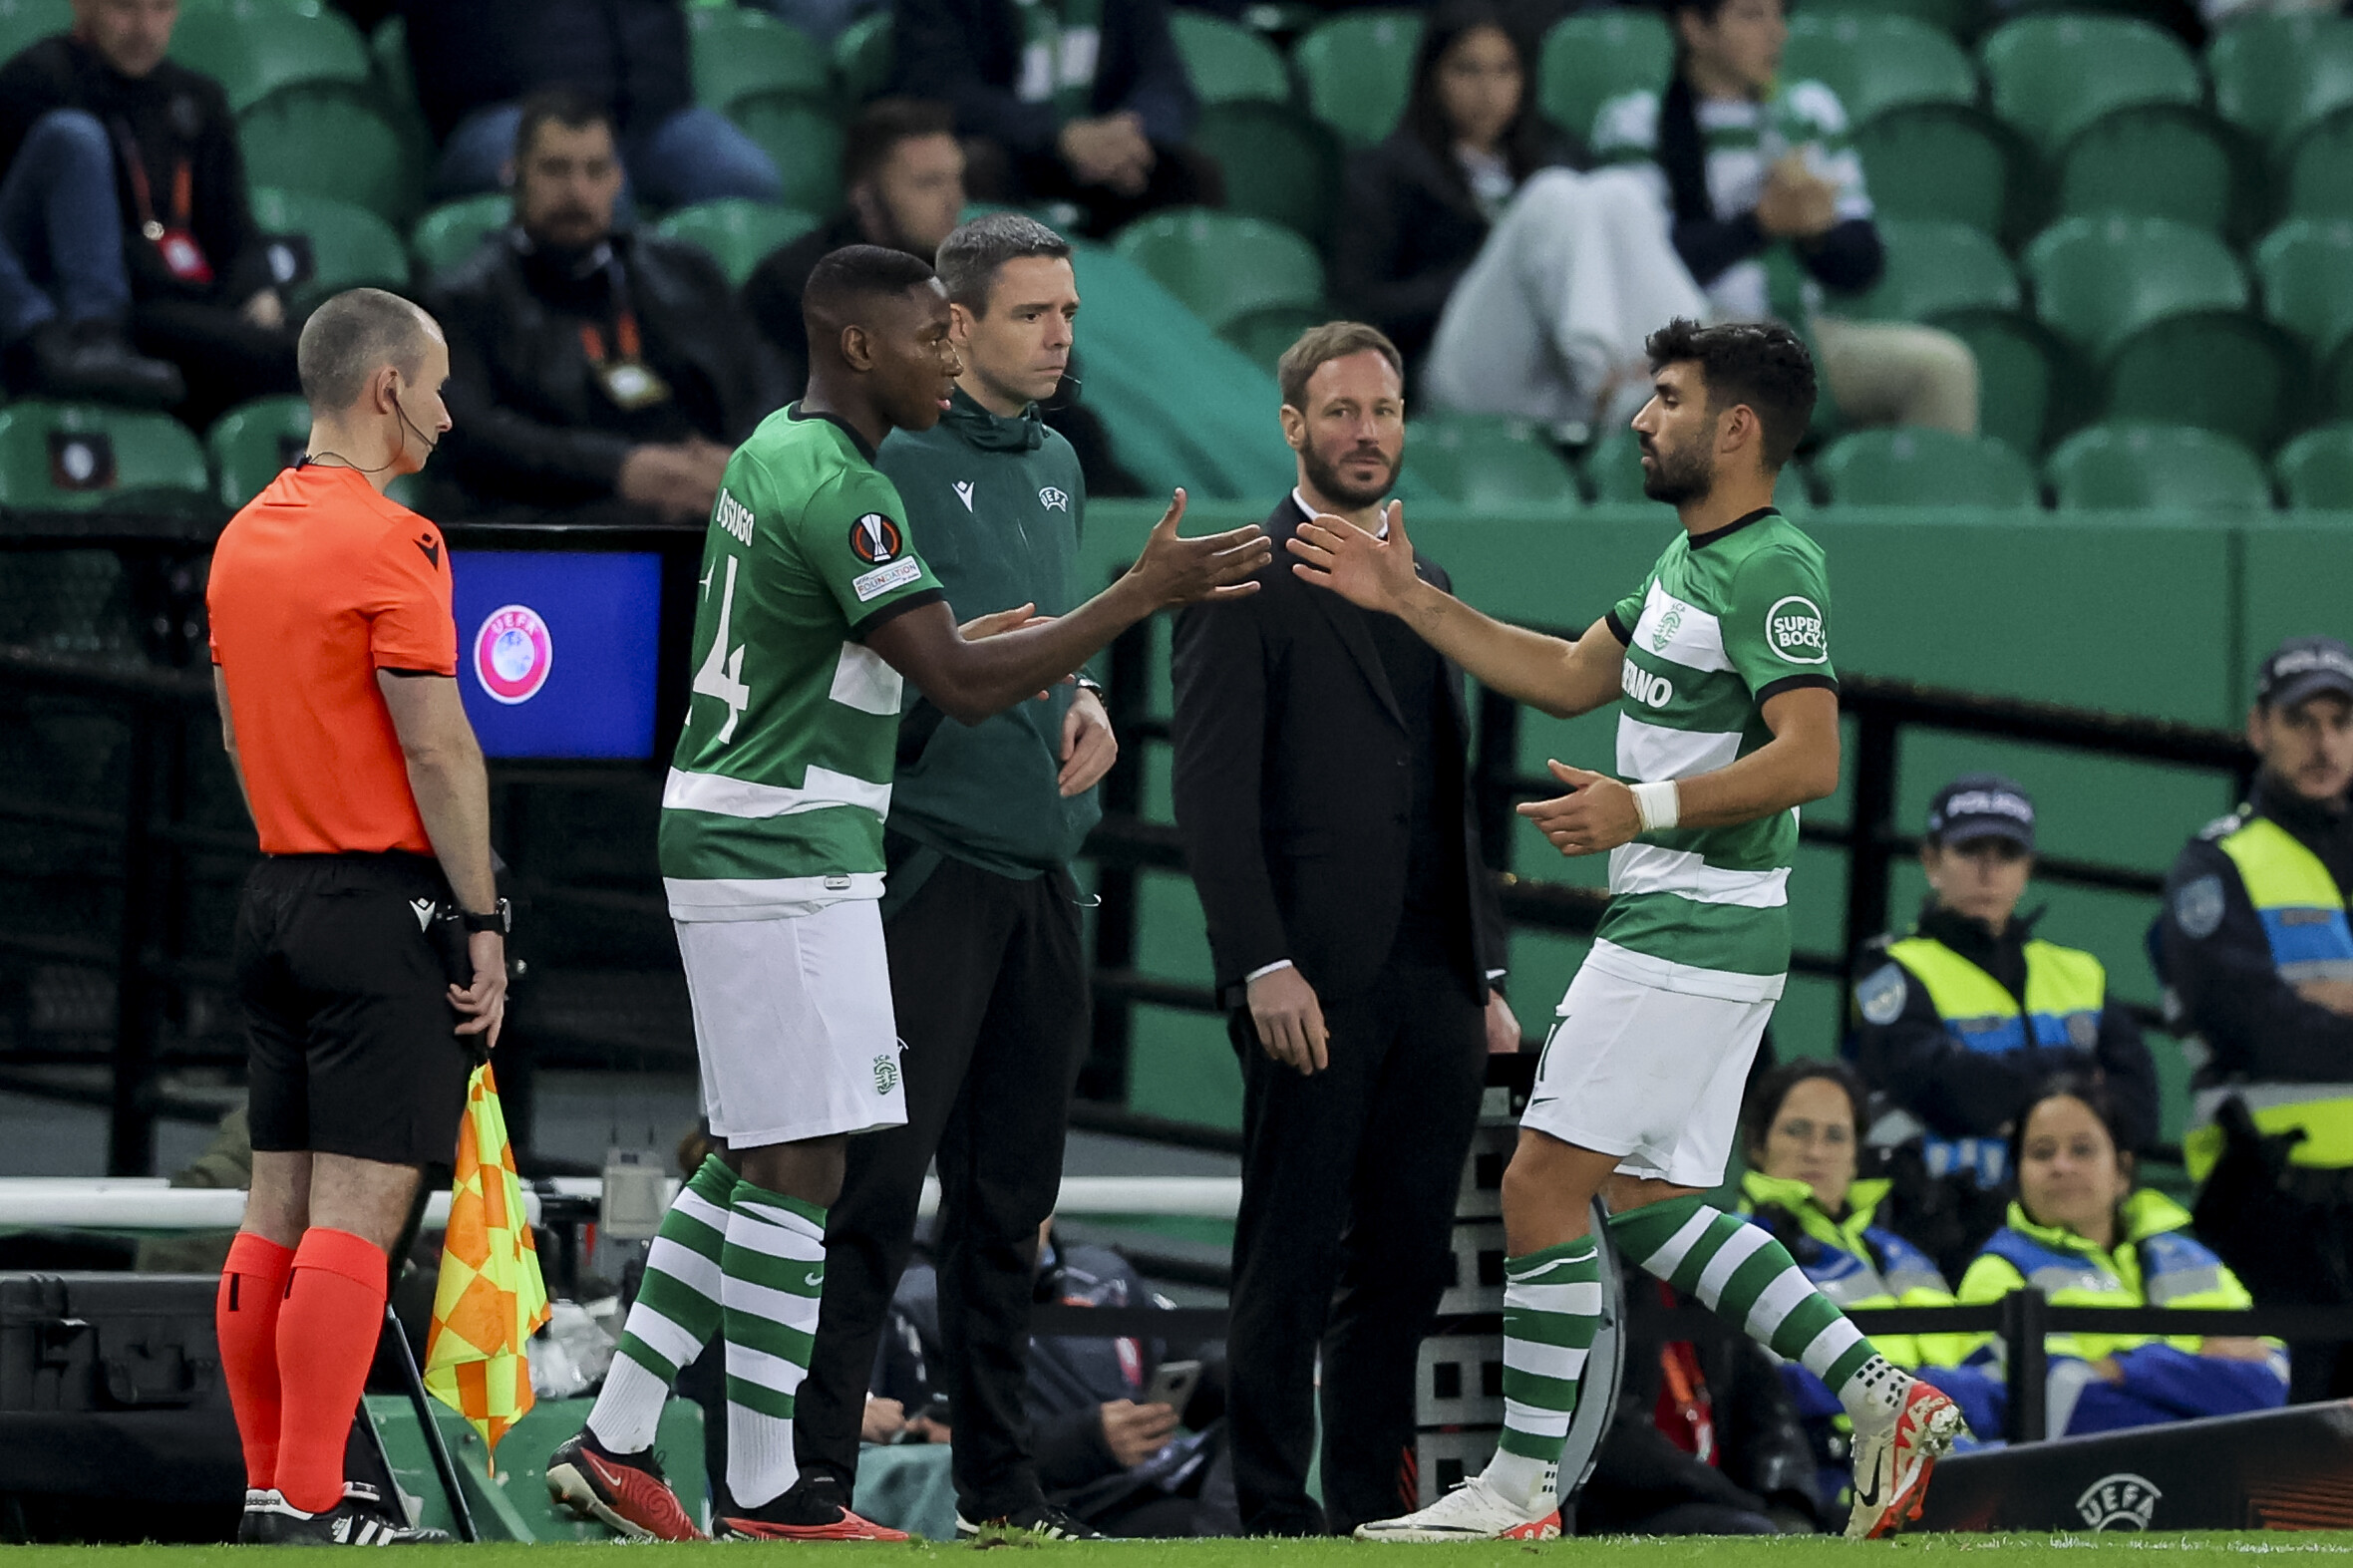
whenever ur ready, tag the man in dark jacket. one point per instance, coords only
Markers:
(1321, 792)
(602, 374)
(124, 210)
(1078, 101)
(474, 61)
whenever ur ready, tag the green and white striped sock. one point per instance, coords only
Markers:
(674, 1315)
(1742, 1274)
(773, 1273)
(1552, 1305)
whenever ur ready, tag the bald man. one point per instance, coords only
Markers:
(371, 942)
(814, 608)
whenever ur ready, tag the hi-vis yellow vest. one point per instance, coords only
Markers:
(2303, 915)
(2065, 991)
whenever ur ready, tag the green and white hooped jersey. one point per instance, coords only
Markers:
(776, 792)
(1723, 623)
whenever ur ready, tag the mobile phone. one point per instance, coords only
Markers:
(1172, 1385)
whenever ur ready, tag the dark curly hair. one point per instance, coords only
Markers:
(1759, 363)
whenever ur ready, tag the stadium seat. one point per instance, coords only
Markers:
(805, 141)
(741, 52)
(2306, 269)
(2162, 161)
(321, 140)
(1948, 160)
(1933, 266)
(1594, 56)
(1279, 164)
(450, 232)
(2139, 466)
(321, 246)
(2098, 280)
(1905, 466)
(2274, 76)
(1357, 71)
(254, 443)
(1223, 267)
(2051, 76)
(2316, 470)
(1229, 64)
(2030, 386)
(739, 234)
(865, 57)
(23, 22)
(1875, 62)
(252, 48)
(1264, 334)
(77, 457)
(2319, 179)
(1485, 461)
(1956, 19)
(1613, 469)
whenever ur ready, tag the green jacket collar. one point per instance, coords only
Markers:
(977, 427)
(2142, 1214)
(1796, 1197)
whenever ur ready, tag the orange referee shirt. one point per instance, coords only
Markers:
(318, 583)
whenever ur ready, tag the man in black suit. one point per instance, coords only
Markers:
(1320, 785)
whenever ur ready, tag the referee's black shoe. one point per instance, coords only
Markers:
(1040, 1519)
(362, 1518)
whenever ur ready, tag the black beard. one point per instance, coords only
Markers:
(1677, 479)
(1331, 487)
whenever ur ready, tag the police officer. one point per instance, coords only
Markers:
(1972, 1011)
(2258, 957)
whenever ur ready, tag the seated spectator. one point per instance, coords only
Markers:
(126, 247)
(1084, 102)
(1748, 163)
(1122, 1465)
(1972, 1011)
(605, 376)
(1515, 283)
(2080, 1234)
(476, 63)
(1803, 1126)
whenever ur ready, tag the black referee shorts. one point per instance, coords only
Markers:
(343, 973)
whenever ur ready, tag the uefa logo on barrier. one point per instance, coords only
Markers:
(2121, 1501)
(513, 653)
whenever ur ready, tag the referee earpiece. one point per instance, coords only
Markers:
(401, 408)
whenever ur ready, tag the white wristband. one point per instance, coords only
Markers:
(1658, 803)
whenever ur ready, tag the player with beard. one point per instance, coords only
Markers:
(1320, 789)
(1723, 655)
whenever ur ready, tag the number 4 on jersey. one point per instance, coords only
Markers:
(722, 672)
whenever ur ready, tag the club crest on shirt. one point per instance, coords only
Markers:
(875, 539)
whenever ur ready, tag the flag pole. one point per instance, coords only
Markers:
(443, 1465)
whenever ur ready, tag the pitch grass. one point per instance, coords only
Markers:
(2218, 1548)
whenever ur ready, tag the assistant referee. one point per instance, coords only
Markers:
(371, 942)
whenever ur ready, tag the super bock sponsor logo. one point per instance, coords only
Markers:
(2121, 1501)
(513, 653)
(1794, 630)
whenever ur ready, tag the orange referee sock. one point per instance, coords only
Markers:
(327, 1332)
(245, 1314)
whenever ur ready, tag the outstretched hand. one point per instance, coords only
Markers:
(1597, 814)
(1175, 570)
(1369, 572)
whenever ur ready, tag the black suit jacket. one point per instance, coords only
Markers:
(1293, 783)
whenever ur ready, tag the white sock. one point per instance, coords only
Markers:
(773, 1271)
(629, 1407)
(1874, 1394)
(1531, 1486)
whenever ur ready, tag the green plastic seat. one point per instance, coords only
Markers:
(325, 141)
(2316, 470)
(1266, 334)
(2306, 268)
(1934, 267)
(450, 232)
(26, 22)
(254, 443)
(2160, 160)
(1357, 71)
(1279, 164)
(2098, 280)
(739, 234)
(739, 51)
(1878, 61)
(1487, 461)
(2141, 467)
(2318, 181)
(1223, 267)
(1591, 58)
(2226, 371)
(1229, 64)
(1947, 161)
(2275, 76)
(864, 55)
(54, 456)
(805, 143)
(253, 48)
(1956, 19)
(1905, 467)
(2051, 76)
(2030, 386)
(1613, 469)
(338, 246)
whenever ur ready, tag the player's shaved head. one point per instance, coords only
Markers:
(351, 337)
(852, 286)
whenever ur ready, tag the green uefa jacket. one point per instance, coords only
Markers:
(996, 506)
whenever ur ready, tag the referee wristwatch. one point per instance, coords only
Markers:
(500, 919)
